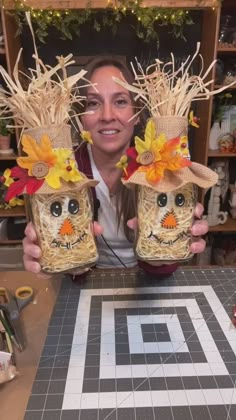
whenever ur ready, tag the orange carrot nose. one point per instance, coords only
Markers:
(66, 228)
(169, 221)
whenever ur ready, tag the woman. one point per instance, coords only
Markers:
(109, 120)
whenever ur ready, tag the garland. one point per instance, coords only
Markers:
(68, 22)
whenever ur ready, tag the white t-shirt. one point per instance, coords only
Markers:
(115, 239)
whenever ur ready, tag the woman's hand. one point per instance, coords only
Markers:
(199, 228)
(32, 251)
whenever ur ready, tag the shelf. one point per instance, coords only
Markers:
(226, 50)
(229, 226)
(11, 156)
(13, 212)
(218, 153)
(230, 87)
(10, 241)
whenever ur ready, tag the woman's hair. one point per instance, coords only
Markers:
(125, 199)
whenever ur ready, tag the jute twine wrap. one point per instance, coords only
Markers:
(196, 173)
(172, 126)
(60, 137)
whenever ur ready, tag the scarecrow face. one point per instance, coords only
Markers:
(63, 224)
(165, 220)
(62, 218)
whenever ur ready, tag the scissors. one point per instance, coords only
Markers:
(12, 304)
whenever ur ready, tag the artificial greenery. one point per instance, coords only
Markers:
(68, 22)
(4, 129)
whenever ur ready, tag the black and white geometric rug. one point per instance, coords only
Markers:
(128, 346)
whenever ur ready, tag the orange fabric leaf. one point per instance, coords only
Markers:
(36, 152)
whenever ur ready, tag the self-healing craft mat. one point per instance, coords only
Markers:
(127, 346)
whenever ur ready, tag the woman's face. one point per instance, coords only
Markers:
(111, 108)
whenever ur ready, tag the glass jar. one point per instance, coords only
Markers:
(63, 222)
(164, 223)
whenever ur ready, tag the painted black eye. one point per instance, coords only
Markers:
(162, 200)
(56, 209)
(73, 206)
(179, 200)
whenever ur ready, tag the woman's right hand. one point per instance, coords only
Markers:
(32, 251)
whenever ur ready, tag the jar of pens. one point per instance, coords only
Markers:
(7, 361)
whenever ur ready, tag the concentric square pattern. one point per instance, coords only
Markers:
(142, 350)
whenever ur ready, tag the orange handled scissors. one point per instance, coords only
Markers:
(12, 304)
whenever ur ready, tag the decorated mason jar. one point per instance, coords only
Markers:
(166, 181)
(60, 199)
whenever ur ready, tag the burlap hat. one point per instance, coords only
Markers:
(162, 133)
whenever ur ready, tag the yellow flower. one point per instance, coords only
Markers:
(182, 147)
(193, 120)
(86, 136)
(145, 145)
(123, 163)
(7, 175)
(65, 168)
(16, 202)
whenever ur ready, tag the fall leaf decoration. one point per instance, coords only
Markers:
(153, 155)
(42, 164)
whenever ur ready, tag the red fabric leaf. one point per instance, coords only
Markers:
(16, 188)
(18, 172)
(132, 153)
(33, 184)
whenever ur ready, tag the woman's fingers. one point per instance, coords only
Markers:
(97, 228)
(198, 246)
(198, 211)
(199, 228)
(30, 232)
(133, 223)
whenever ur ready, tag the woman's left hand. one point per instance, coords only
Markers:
(199, 228)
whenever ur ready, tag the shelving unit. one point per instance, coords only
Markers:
(8, 56)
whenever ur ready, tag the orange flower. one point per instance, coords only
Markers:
(168, 160)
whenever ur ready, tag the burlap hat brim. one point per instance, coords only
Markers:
(196, 174)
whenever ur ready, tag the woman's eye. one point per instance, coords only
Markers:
(73, 206)
(179, 200)
(121, 102)
(92, 104)
(56, 208)
(162, 200)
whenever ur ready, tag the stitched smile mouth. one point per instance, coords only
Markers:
(161, 241)
(68, 245)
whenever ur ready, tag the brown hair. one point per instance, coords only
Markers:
(125, 199)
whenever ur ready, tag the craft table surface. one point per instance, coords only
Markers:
(14, 395)
(124, 346)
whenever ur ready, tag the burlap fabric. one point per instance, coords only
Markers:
(174, 126)
(60, 137)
